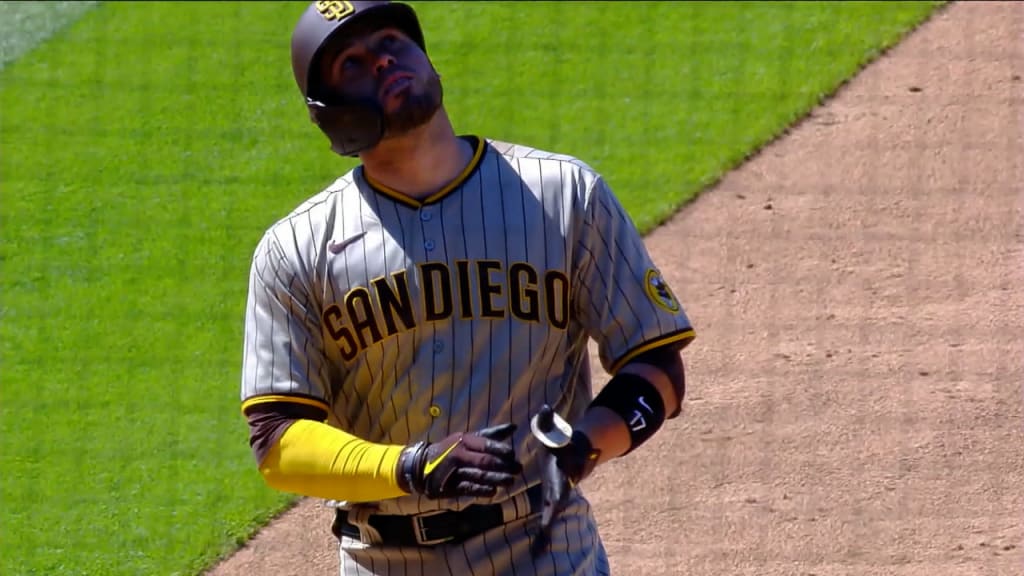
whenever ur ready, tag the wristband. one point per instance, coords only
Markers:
(410, 468)
(585, 457)
(639, 404)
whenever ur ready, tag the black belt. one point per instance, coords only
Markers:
(432, 528)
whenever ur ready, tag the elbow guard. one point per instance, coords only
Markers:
(637, 402)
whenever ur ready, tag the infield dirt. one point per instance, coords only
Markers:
(855, 391)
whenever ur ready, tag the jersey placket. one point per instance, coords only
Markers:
(431, 242)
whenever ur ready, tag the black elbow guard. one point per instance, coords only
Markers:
(637, 402)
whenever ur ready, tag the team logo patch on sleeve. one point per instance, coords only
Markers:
(659, 292)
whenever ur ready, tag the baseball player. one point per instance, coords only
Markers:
(415, 348)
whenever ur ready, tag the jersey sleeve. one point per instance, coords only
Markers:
(283, 359)
(621, 297)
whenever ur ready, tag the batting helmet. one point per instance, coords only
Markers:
(351, 125)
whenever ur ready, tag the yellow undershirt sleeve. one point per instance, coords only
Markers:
(314, 459)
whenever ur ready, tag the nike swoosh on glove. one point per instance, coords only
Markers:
(463, 464)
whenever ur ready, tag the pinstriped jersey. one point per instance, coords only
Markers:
(408, 320)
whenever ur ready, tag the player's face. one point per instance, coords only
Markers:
(387, 66)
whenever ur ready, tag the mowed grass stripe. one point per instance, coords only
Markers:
(148, 147)
(137, 178)
(24, 25)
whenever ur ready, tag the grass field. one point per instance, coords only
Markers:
(146, 147)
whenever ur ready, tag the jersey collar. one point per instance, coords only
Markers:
(479, 145)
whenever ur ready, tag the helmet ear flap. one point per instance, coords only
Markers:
(351, 127)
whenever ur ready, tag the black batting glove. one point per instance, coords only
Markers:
(568, 458)
(463, 464)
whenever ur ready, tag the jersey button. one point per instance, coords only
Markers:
(435, 411)
(429, 244)
(425, 215)
(438, 346)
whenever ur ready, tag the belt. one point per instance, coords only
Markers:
(433, 528)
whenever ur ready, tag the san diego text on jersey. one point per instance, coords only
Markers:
(469, 290)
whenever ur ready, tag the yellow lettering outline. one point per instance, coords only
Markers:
(554, 298)
(519, 292)
(487, 289)
(391, 301)
(362, 295)
(431, 289)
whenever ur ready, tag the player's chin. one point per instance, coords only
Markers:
(409, 115)
(393, 100)
(393, 106)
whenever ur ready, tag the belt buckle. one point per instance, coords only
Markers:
(420, 531)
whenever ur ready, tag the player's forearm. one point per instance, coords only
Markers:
(608, 431)
(314, 459)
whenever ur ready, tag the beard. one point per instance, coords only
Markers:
(416, 109)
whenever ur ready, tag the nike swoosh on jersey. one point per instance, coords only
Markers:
(336, 246)
(436, 461)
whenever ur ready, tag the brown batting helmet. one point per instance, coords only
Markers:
(351, 126)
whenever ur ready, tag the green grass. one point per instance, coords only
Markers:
(147, 147)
